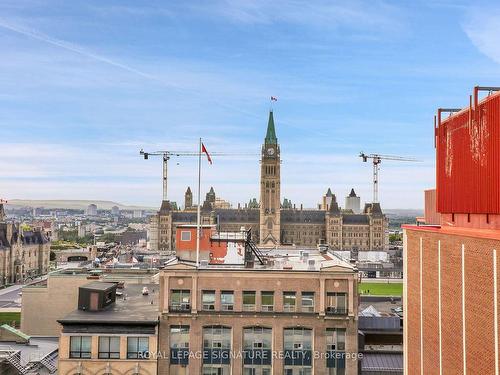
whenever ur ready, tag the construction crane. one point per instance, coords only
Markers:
(377, 159)
(166, 155)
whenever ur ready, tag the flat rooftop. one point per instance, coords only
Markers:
(126, 272)
(283, 259)
(131, 307)
(493, 234)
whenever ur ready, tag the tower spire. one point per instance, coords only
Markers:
(271, 132)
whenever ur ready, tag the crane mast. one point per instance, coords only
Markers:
(376, 161)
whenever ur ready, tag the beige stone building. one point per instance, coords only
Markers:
(24, 254)
(110, 334)
(273, 222)
(294, 314)
(44, 303)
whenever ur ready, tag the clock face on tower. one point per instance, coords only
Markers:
(270, 151)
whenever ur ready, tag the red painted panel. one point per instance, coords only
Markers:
(468, 159)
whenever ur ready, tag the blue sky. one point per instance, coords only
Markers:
(85, 84)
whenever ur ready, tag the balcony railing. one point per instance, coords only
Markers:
(227, 307)
(248, 307)
(330, 310)
(180, 307)
(267, 307)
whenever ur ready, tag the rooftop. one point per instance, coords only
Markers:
(282, 259)
(36, 349)
(456, 231)
(131, 307)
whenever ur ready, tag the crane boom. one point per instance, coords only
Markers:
(376, 160)
(166, 155)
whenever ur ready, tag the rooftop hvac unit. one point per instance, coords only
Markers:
(203, 263)
(311, 263)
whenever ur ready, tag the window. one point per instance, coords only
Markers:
(289, 301)
(267, 301)
(248, 301)
(257, 338)
(109, 347)
(335, 346)
(180, 300)
(208, 300)
(335, 339)
(79, 346)
(227, 300)
(257, 355)
(256, 370)
(179, 345)
(307, 301)
(216, 350)
(185, 235)
(297, 371)
(336, 303)
(137, 347)
(298, 350)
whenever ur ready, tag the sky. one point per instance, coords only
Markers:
(84, 85)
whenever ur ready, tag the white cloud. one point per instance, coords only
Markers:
(360, 15)
(483, 29)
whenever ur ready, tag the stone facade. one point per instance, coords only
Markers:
(23, 253)
(274, 223)
(240, 308)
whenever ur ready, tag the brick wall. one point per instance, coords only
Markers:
(479, 305)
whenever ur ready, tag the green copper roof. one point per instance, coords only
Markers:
(15, 332)
(271, 133)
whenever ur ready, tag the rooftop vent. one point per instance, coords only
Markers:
(311, 263)
(204, 263)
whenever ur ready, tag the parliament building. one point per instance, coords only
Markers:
(275, 223)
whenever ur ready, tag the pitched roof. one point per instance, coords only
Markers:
(334, 206)
(355, 219)
(165, 207)
(352, 194)
(302, 216)
(329, 192)
(373, 208)
(271, 132)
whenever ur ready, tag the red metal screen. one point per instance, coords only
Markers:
(468, 159)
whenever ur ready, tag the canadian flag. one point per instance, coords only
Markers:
(273, 98)
(204, 149)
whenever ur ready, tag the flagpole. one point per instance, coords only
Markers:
(199, 209)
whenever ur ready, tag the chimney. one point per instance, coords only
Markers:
(301, 206)
(239, 206)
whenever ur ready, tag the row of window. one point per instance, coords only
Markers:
(109, 347)
(257, 347)
(180, 301)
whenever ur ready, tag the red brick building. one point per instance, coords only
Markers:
(451, 294)
(215, 247)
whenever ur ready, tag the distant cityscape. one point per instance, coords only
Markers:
(279, 133)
